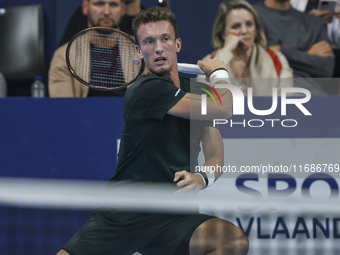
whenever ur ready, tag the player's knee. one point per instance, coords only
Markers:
(232, 240)
(239, 244)
(221, 237)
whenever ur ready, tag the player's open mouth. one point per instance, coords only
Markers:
(160, 59)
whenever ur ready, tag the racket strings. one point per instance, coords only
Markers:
(106, 65)
(104, 58)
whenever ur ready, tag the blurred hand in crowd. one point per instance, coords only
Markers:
(276, 47)
(322, 49)
(325, 15)
(337, 14)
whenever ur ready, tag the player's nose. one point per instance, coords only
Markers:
(159, 46)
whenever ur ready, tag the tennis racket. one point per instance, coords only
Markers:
(106, 58)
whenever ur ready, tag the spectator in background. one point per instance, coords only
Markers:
(331, 19)
(132, 8)
(107, 13)
(239, 39)
(78, 21)
(302, 38)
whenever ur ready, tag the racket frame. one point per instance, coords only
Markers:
(88, 84)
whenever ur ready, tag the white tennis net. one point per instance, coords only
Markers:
(275, 225)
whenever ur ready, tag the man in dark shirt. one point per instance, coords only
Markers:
(155, 147)
(302, 38)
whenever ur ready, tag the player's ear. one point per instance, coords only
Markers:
(85, 6)
(178, 44)
(139, 51)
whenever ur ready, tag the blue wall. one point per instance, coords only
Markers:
(75, 138)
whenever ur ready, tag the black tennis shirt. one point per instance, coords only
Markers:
(154, 145)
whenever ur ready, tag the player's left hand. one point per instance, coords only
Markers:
(188, 182)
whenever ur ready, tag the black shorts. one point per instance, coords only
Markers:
(110, 232)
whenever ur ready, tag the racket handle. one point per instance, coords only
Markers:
(189, 69)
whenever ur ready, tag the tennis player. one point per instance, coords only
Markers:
(155, 147)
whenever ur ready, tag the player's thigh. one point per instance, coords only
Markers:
(100, 235)
(215, 233)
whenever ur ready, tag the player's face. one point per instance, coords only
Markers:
(106, 13)
(159, 47)
(240, 22)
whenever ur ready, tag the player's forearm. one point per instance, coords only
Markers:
(226, 99)
(215, 161)
(213, 148)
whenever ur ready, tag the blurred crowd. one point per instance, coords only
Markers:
(271, 44)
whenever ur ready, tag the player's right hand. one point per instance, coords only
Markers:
(188, 182)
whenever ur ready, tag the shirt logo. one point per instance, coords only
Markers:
(177, 92)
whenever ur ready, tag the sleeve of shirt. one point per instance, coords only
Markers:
(156, 97)
(333, 29)
(60, 80)
(314, 65)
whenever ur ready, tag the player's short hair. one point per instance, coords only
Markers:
(220, 22)
(154, 14)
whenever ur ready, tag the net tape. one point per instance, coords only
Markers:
(51, 193)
